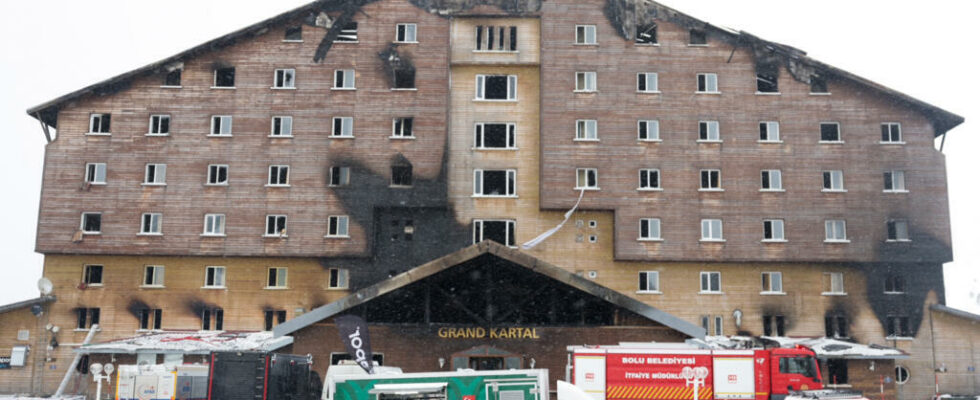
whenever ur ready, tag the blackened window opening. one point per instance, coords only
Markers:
(93, 223)
(497, 183)
(898, 326)
(405, 78)
(829, 132)
(646, 34)
(294, 33)
(93, 274)
(835, 326)
(348, 33)
(224, 77)
(818, 85)
(766, 83)
(895, 284)
(773, 325)
(401, 175)
(837, 371)
(496, 87)
(172, 78)
(698, 37)
(273, 318)
(496, 136)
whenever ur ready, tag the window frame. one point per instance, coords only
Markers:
(650, 222)
(704, 83)
(840, 133)
(769, 177)
(649, 188)
(717, 180)
(712, 223)
(275, 176)
(646, 82)
(481, 88)
(509, 227)
(281, 79)
(583, 80)
(645, 124)
(403, 33)
(706, 285)
(835, 180)
(293, 34)
(340, 224)
(221, 121)
(342, 278)
(92, 173)
(157, 121)
(411, 176)
(344, 76)
(214, 82)
(104, 122)
(214, 277)
(894, 284)
(399, 122)
(644, 280)
(86, 275)
(582, 130)
(772, 134)
(480, 135)
(831, 226)
(506, 41)
(510, 183)
(586, 171)
(835, 277)
(341, 173)
(285, 123)
(158, 177)
(157, 277)
(773, 223)
(890, 134)
(82, 225)
(705, 130)
(217, 221)
(146, 226)
(772, 289)
(890, 180)
(281, 278)
(894, 234)
(346, 128)
(582, 35)
(272, 221)
(214, 171)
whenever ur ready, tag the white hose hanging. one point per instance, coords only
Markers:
(536, 241)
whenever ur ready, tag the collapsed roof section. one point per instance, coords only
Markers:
(824, 347)
(189, 342)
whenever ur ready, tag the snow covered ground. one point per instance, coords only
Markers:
(15, 397)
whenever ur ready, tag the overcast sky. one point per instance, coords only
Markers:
(50, 48)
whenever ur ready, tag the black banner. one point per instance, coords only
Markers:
(354, 333)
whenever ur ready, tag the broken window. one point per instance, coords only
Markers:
(285, 79)
(898, 230)
(338, 278)
(769, 131)
(649, 179)
(835, 326)
(895, 181)
(215, 315)
(818, 85)
(220, 125)
(404, 78)
(833, 283)
(343, 127)
(91, 223)
(92, 275)
(646, 82)
(214, 277)
(698, 37)
(830, 132)
(153, 275)
(87, 317)
(214, 225)
(772, 179)
(343, 79)
(99, 123)
(339, 176)
(898, 326)
(707, 83)
(710, 282)
(217, 174)
(894, 284)
(585, 34)
(273, 318)
(708, 131)
(159, 125)
(282, 126)
(294, 33)
(496, 87)
(150, 318)
(406, 33)
(156, 174)
(224, 77)
(837, 371)
(710, 179)
(772, 230)
(772, 282)
(277, 277)
(646, 33)
(766, 83)
(586, 129)
(172, 78)
(278, 175)
(495, 182)
(275, 225)
(649, 282)
(151, 224)
(494, 136)
(496, 38)
(648, 130)
(773, 325)
(500, 231)
(650, 229)
(337, 226)
(401, 175)
(95, 173)
(833, 181)
(586, 178)
(835, 230)
(891, 132)
(585, 81)
(711, 230)
(402, 127)
(348, 33)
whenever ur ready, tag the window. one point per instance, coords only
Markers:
(773, 325)
(224, 77)
(646, 34)
(343, 79)
(586, 178)
(711, 230)
(707, 83)
(150, 224)
(95, 173)
(273, 318)
(496, 38)
(339, 176)
(649, 281)
(401, 175)
(835, 230)
(343, 127)
(818, 85)
(402, 127)
(159, 125)
(898, 326)
(833, 181)
(91, 223)
(216, 315)
(833, 283)
(221, 125)
(901, 375)
(772, 231)
(585, 82)
(99, 123)
(648, 130)
(92, 275)
(710, 179)
(649, 179)
(217, 174)
(496, 87)
(153, 275)
(500, 231)
(650, 229)
(338, 278)
(150, 318)
(646, 82)
(891, 133)
(294, 33)
(769, 131)
(495, 183)
(898, 230)
(894, 284)
(275, 225)
(337, 226)
(348, 33)
(585, 34)
(405, 33)
(708, 322)
(156, 174)
(767, 83)
(772, 282)
(772, 179)
(278, 175)
(835, 326)
(495, 136)
(895, 181)
(830, 132)
(698, 38)
(708, 131)
(710, 282)
(586, 129)
(277, 278)
(282, 127)
(285, 79)
(214, 277)
(87, 317)
(172, 78)
(214, 225)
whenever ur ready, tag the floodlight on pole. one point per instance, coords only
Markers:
(695, 376)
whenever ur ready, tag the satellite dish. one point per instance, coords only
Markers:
(45, 286)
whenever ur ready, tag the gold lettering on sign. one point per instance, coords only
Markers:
(492, 333)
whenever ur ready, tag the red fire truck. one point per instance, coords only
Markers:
(678, 371)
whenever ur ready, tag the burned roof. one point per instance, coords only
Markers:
(622, 14)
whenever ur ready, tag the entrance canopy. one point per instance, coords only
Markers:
(488, 284)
